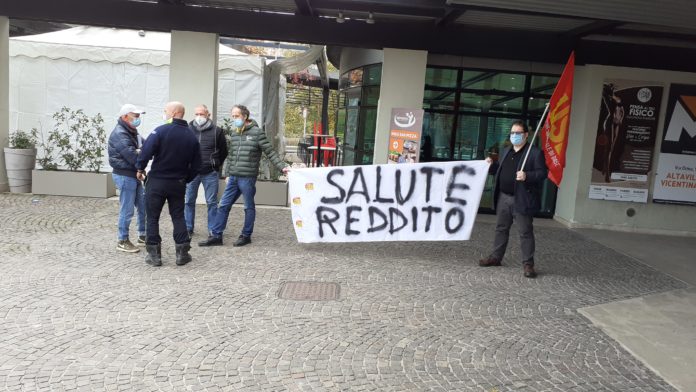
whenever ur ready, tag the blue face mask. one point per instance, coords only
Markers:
(136, 122)
(516, 138)
(238, 122)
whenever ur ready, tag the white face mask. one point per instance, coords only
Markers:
(164, 117)
(200, 120)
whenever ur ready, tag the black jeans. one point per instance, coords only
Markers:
(157, 191)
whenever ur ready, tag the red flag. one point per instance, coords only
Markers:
(554, 134)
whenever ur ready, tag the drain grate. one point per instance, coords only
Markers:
(309, 291)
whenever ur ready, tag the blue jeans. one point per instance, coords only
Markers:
(131, 196)
(210, 186)
(237, 186)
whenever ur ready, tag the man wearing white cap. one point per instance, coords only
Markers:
(124, 147)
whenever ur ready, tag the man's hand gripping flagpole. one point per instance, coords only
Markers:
(541, 122)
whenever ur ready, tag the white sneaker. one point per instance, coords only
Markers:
(127, 246)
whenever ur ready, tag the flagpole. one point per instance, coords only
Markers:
(541, 121)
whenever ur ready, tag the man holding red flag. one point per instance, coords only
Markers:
(516, 197)
(521, 199)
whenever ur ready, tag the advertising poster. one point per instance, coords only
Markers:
(675, 180)
(626, 134)
(404, 137)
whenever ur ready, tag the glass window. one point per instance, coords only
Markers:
(467, 138)
(351, 127)
(543, 84)
(341, 123)
(352, 97)
(470, 78)
(536, 106)
(343, 81)
(497, 133)
(368, 123)
(441, 77)
(350, 79)
(355, 77)
(373, 75)
(491, 103)
(371, 96)
(348, 156)
(496, 81)
(443, 100)
(437, 127)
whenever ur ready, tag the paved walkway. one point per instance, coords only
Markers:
(76, 314)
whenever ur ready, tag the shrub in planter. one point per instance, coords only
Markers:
(77, 143)
(20, 158)
(22, 140)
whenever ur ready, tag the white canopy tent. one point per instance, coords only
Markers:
(99, 69)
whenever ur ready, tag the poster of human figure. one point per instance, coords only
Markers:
(625, 141)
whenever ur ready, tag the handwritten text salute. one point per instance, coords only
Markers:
(408, 202)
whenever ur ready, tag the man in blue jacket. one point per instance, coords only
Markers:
(177, 160)
(516, 196)
(124, 146)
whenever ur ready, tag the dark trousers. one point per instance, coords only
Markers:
(157, 191)
(504, 218)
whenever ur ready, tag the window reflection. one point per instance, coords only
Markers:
(441, 77)
(491, 103)
(438, 128)
(359, 94)
(471, 119)
(497, 81)
(439, 99)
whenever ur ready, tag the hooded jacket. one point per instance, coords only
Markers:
(245, 148)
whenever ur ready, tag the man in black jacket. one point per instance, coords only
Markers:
(213, 153)
(516, 196)
(124, 146)
(177, 160)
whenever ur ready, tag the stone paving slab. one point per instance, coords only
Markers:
(76, 314)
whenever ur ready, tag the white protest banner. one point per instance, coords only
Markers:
(407, 202)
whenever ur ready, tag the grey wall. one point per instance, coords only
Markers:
(4, 95)
(573, 205)
(354, 57)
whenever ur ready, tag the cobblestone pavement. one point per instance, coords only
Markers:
(76, 314)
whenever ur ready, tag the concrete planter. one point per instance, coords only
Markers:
(19, 163)
(271, 193)
(73, 183)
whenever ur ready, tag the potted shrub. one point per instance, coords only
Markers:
(72, 157)
(20, 158)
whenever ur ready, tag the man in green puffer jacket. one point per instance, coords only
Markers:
(245, 144)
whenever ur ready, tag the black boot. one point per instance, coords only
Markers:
(211, 241)
(182, 254)
(242, 240)
(154, 255)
